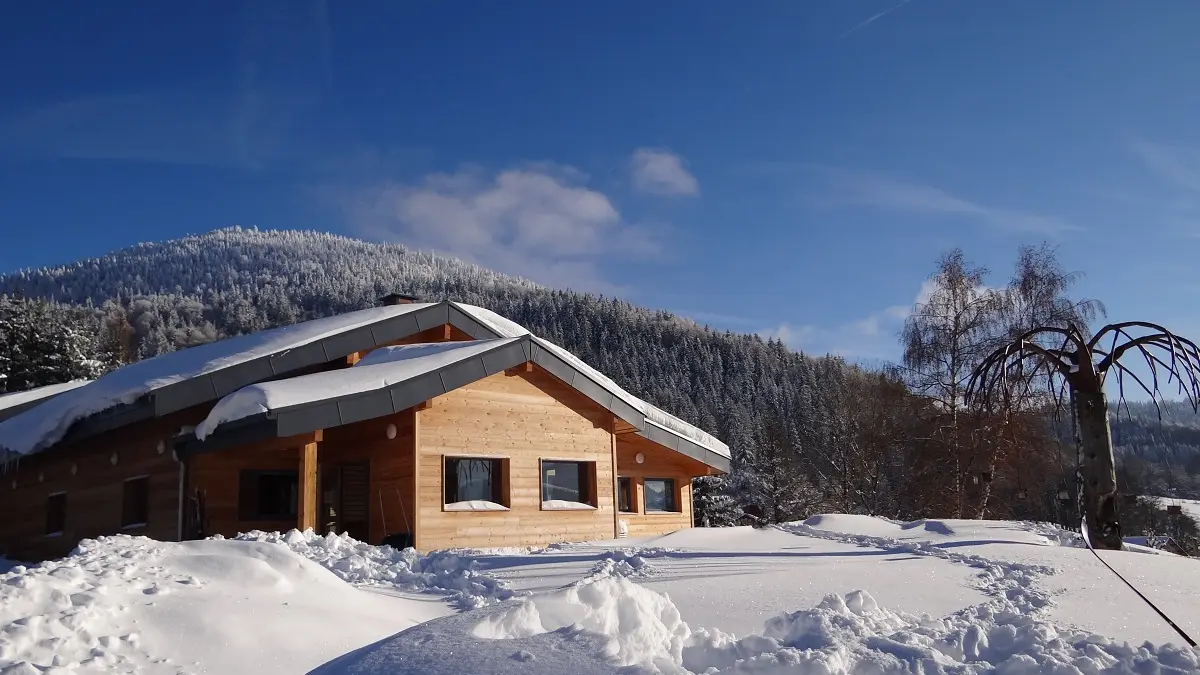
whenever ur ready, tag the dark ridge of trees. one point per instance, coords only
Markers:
(809, 434)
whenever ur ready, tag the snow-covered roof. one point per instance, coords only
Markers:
(380, 369)
(234, 370)
(46, 424)
(653, 414)
(20, 398)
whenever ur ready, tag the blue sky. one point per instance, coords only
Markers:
(793, 168)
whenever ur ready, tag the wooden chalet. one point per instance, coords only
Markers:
(433, 425)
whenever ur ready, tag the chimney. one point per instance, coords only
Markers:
(397, 299)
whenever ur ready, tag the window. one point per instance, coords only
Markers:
(56, 513)
(625, 494)
(135, 503)
(473, 479)
(567, 484)
(268, 495)
(660, 494)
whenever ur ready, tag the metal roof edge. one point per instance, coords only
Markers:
(246, 430)
(684, 446)
(204, 388)
(389, 399)
(683, 436)
(467, 323)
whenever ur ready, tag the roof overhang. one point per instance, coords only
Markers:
(338, 411)
(213, 386)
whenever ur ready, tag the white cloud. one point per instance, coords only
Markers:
(873, 337)
(662, 172)
(861, 188)
(538, 221)
(1174, 164)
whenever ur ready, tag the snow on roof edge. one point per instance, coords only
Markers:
(650, 412)
(42, 426)
(16, 398)
(405, 363)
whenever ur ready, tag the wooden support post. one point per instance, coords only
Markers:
(415, 449)
(616, 489)
(307, 508)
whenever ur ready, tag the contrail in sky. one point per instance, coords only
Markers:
(877, 16)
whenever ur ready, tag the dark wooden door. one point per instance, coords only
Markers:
(355, 516)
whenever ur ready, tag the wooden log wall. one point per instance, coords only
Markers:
(523, 417)
(391, 500)
(658, 462)
(94, 485)
(216, 475)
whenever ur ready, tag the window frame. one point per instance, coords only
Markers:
(251, 512)
(588, 482)
(500, 488)
(126, 522)
(672, 492)
(53, 497)
(633, 502)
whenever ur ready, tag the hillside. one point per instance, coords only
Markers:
(808, 433)
(178, 293)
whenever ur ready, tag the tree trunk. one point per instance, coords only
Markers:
(1098, 469)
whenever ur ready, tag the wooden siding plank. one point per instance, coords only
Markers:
(658, 462)
(524, 416)
(94, 487)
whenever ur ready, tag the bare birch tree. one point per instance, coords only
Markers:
(946, 335)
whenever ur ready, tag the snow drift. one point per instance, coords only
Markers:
(441, 572)
(131, 604)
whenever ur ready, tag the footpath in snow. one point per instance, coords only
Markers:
(835, 594)
(611, 621)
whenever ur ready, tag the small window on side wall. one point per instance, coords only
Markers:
(660, 495)
(568, 485)
(474, 484)
(135, 502)
(625, 494)
(56, 513)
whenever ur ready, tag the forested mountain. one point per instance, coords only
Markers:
(158, 297)
(809, 434)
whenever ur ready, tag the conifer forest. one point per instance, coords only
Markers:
(809, 433)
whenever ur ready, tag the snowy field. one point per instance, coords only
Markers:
(1190, 507)
(835, 594)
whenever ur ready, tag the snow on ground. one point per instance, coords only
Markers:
(1085, 595)
(1190, 507)
(615, 621)
(445, 572)
(133, 605)
(834, 594)
(766, 571)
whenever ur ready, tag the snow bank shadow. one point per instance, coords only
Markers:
(933, 526)
(449, 646)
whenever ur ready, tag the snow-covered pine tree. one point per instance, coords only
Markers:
(44, 343)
